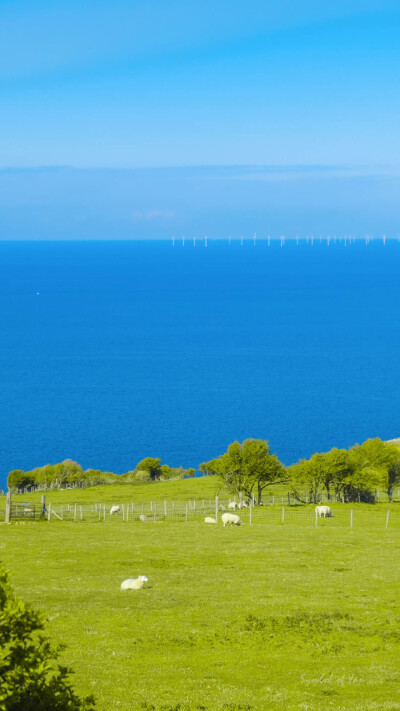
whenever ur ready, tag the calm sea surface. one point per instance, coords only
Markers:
(133, 349)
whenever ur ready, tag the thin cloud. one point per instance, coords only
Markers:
(155, 214)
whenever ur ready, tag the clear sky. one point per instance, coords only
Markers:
(308, 87)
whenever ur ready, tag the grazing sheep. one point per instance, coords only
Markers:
(115, 510)
(323, 511)
(143, 517)
(230, 518)
(241, 505)
(134, 583)
(209, 519)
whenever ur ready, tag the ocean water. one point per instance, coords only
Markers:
(112, 351)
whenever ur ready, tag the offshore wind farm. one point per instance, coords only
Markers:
(283, 239)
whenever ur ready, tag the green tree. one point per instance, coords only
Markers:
(150, 465)
(67, 472)
(247, 468)
(18, 479)
(30, 677)
(377, 461)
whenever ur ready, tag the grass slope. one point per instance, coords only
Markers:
(181, 489)
(262, 617)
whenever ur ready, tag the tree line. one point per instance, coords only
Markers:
(69, 474)
(349, 475)
(249, 468)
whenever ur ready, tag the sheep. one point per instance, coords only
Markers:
(233, 505)
(143, 517)
(134, 583)
(230, 518)
(115, 510)
(209, 519)
(323, 511)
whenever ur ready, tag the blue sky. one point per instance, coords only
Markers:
(311, 89)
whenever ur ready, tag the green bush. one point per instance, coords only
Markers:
(30, 677)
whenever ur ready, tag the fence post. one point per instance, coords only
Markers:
(186, 517)
(351, 518)
(75, 512)
(62, 513)
(165, 508)
(127, 512)
(316, 518)
(8, 507)
(251, 509)
(49, 512)
(283, 513)
(104, 512)
(387, 518)
(43, 504)
(81, 513)
(216, 507)
(123, 512)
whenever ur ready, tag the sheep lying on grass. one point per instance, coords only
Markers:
(230, 518)
(209, 519)
(115, 510)
(134, 583)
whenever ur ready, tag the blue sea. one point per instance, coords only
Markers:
(113, 351)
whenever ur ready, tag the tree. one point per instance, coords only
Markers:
(150, 465)
(378, 460)
(393, 478)
(247, 468)
(30, 676)
(18, 479)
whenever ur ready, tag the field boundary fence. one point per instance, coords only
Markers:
(344, 516)
(197, 511)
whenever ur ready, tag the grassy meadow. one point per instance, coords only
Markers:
(268, 616)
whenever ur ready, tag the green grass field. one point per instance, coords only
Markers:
(268, 616)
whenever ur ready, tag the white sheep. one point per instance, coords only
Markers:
(230, 518)
(209, 519)
(115, 510)
(323, 511)
(241, 505)
(134, 583)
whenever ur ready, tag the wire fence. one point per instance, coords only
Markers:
(198, 511)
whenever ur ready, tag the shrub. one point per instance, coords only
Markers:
(30, 677)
